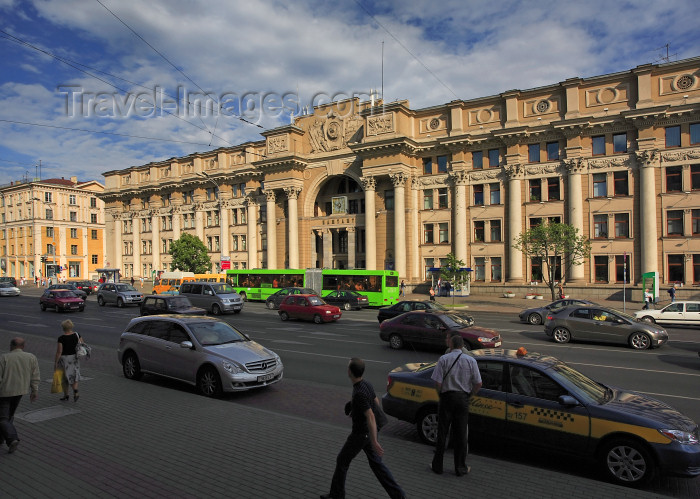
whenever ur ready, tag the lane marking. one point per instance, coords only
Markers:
(331, 356)
(631, 369)
(667, 395)
(339, 340)
(33, 324)
(289, 342)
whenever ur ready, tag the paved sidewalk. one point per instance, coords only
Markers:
(156, 439)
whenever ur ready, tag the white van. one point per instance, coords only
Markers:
(678, 313)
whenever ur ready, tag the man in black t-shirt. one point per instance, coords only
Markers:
(363, 437)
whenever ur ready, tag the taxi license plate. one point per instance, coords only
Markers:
(266, 377)
(497, 344)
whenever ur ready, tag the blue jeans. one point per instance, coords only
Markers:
(353, 445)
(8, 406)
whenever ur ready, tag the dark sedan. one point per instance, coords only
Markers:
(86, 286)
(410, 305)
(273, 301)
(430, 328)
(537, 315)
(61, 300)
(70, 287)
(169, 304)
(539, 401)
(347, 300)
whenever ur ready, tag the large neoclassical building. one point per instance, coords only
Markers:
(371, 185)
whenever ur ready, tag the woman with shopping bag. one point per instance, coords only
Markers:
(67, 359)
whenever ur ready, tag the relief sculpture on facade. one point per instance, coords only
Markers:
(377, 125)
(333, 133)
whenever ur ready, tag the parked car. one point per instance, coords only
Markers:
(61, 300)
(202, 351)
(347, 300)
(169, 304)
(539, 401)
(308, 307)
(596, 323)
(70, 287)
(86, 286)
(215, 297)
(430, 328)
(410, 305)
(537, 315)
(11, 280)
(273, 301)
(121, 294)
(679, 313)
(7, 289)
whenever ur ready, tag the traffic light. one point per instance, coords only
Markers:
(43, 259)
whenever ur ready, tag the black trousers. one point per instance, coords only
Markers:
(353, 445)
(453, 410)
(8, 406)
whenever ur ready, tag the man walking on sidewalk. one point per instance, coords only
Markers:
(362, 438)
(19, 373)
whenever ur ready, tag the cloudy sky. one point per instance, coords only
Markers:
(88, 86)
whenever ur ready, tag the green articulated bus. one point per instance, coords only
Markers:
(381, 287)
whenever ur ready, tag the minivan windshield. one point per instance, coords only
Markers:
(223, 289)
(215, 333)
(125, 287)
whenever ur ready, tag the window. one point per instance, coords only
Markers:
(622, 225)
(599, 145)
(479, 231)
(72, 199)
(478, 195)
(674, 223)
(600, 270)
(478, 159)
(673, 136)
(695, 177)
(696, 268)
(535, 189)
(49, 231)
(533, 153)
(535, 222)
(47, 197)
(600, 185)
(442, 197)
(495, 230)
(428, 199)
(696, 222)
(600, 226)
(49, 214)
(389, 200)
(235, 243)
(428, 233)
(694, 133)
(93, 234)
(619, 143)
(552, 151)
(73, 216)
(620, 269)
(496, 270)
(429, 264)
(93, 218)
(444, 232)
(93, 202)
(536, 269)
(73, 249)
(73, 233)
(621, 183)
(494, 158)
(674, 179)
(675, 268)
(442, 164)
(427, 166)
(479, 268)
(495, 193)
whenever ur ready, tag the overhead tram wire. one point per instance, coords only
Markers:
(67, 62)
(406, 49)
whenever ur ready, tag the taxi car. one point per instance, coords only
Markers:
(540, 401)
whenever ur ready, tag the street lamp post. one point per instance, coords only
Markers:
(54, 236)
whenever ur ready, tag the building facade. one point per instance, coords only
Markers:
(372, 185)
(53, 227)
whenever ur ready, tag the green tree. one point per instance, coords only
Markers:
(452, 272)
(190, 255)
(557, 245)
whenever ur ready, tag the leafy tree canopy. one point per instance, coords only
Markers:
(190, 255)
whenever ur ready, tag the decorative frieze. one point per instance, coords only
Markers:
(599, 164)
(378, 125)
(689, 154)
(604, 96)
(683, 82)
(485, 174)
(277, 144)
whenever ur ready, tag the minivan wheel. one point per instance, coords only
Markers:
(640, 341)
(627, 462)
(271, 305)
(120, 303)
(208, 382)
(534, 319)
(317, 319)
(396, 342)
(100, 301)
(215, 309)
(561, 335)
(131, 366)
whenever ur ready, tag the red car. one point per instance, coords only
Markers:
(61, 300)
(308, 307)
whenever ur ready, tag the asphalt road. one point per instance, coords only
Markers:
(315, 359)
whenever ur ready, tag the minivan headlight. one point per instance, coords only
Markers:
(683, 437)
(232, 367)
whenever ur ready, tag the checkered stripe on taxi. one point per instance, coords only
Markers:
(551, 414)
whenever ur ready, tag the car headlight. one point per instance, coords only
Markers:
(328, 311)
(232, 367)
(683, 437)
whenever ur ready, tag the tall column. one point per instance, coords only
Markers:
(137, 244)
(252, 242)
(399, 181)
(293, 228)
(460, 210)
(177, 220)
(414, 225)
(369, 184)
(271, 230)
(156, 246)
(351, 247)
(314, 255)
(575, 195)
(199, 221)
(647, 161)
(515, 223)
(118, 241)
(224, 229)
(327, 249)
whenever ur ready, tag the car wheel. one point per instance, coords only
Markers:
(100, 301)
(131, 366)
(271, 305)
(215, 309)
(43, 307)
(120, 303)
(628, 462)
(317, 319)
(284, 316)
(640, 341)
(346, 305)
(561, 335)
(396, 342)
(534, 319)
(649, 319)
(208, 382)
(427, 425)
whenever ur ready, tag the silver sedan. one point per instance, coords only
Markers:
(599, 324)
(7, 289)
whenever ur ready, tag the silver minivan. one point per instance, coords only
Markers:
(215, 297)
